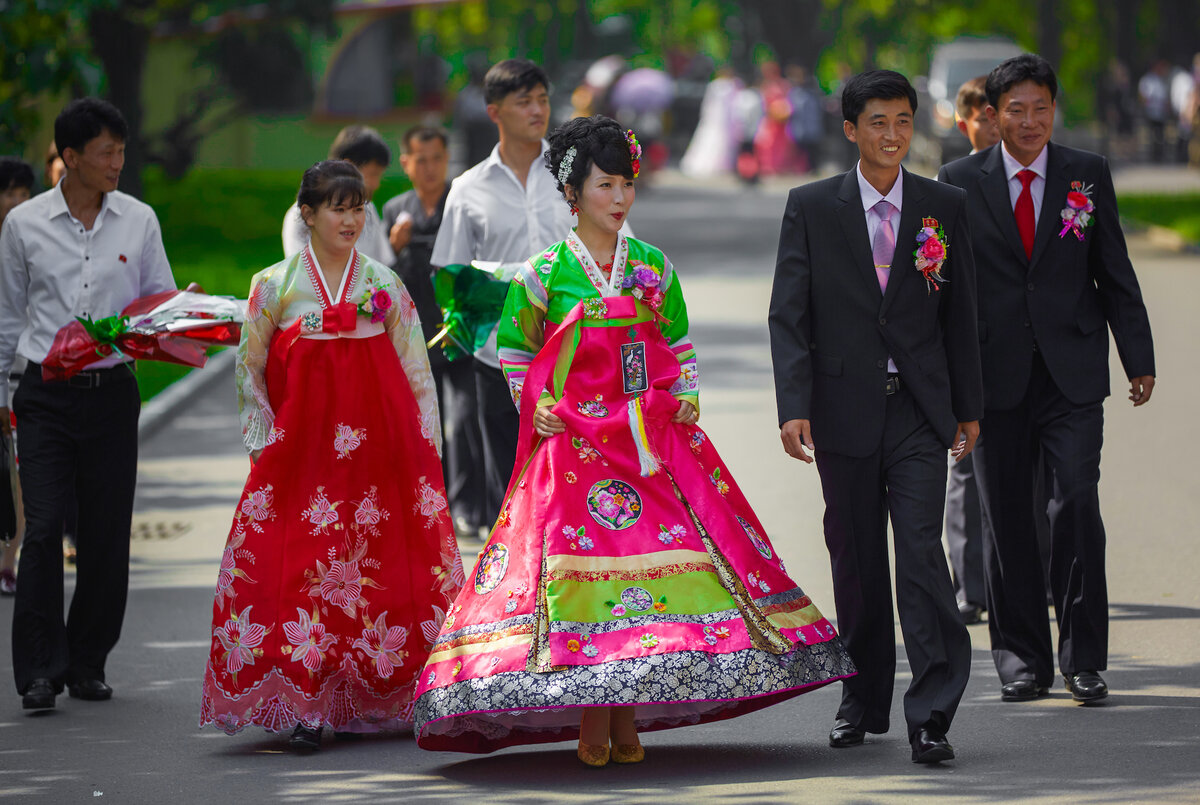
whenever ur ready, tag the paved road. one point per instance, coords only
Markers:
(1142, 746)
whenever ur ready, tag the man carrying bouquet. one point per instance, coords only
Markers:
(80, 249)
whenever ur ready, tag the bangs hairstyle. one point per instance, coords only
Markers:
(335, 182)
(598, 140)
(882, 84)
(1017, 70)
(512, 75)
(971, 96)
(15, 173)
(85, 119)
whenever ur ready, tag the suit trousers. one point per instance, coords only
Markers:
(499, 423)
(906, 480)
(964, 533)
(463, 446)
(1070, 436)
(82, 441)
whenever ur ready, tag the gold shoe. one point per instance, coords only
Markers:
(628, 753)
(591, 755)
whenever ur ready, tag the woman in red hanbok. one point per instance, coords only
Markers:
(341, 559)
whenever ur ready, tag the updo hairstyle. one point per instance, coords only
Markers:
(335, 182)
(598, 140)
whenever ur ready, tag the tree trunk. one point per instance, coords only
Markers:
(1049, 32)
(121, 46)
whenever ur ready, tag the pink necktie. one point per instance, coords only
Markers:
(883, 247)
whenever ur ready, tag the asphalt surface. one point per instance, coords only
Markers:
(1142, 745)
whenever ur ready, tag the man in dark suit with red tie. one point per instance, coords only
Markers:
(1053, 271)
(876, 360)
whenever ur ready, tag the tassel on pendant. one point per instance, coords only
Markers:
(647, 462)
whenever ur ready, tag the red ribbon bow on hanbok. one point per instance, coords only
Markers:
(339, 318)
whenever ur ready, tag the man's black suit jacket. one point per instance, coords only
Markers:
(832, 329)
(1063, 296)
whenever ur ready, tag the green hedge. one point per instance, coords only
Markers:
(1180, 212)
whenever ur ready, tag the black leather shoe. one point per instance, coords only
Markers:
(845, 734)
(1022, 690)
(1086, 686)
(305, 739)
(39, 695)
(929, 745)
(90, 690)
(971, 613)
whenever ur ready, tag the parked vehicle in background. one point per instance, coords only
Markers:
(950, 66)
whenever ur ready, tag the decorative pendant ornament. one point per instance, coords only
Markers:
(573, 207)
(568, 162)
(932, 251)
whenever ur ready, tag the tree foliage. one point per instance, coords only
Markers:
(81, 46)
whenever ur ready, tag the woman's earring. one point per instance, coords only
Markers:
(573, 206)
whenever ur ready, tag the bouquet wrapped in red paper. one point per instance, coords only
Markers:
(172, 326)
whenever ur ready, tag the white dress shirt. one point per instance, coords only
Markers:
(871, 197)
(491, 216)
(372, 241)
(53, 269)
(1037, 188)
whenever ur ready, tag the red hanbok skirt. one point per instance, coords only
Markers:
(341, 559)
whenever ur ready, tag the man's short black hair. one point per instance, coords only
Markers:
(883, 84)
(15, 173)
(85, 119)
(361, 145)
(1018, 69)
(512, 75)
(423, 134)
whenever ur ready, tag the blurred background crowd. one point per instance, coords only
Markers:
(745, 87)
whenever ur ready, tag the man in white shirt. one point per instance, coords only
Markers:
(504, 209)
(363, 147)
(81, 248)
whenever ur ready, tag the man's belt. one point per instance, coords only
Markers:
(88, 378)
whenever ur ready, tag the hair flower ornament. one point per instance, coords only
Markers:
(635, 151)
(564, 167)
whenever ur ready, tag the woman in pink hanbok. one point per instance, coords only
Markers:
(627, 585)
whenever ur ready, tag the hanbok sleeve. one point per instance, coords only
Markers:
(523, 331)
(675, 329)
(263, 310)
(403, 327)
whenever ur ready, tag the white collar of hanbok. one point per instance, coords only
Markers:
(607, 286)
(317, 277)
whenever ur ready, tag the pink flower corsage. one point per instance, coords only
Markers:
(643, 281)
(931, 253)
(1077, 215)
(375, 302)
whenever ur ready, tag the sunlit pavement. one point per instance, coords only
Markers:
(1141, 746)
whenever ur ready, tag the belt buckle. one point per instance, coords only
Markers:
(84, 380)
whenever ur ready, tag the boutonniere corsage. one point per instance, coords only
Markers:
(1077, 215)
(375, 302)
(643, 281)
(931, 253)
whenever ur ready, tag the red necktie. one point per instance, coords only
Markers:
(1024, 211)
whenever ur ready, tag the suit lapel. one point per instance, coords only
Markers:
(906, 235)
(994, 185)
(854, 226)
(1054, 198)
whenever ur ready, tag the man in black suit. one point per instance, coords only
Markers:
(876, 359)
(1053, 269)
